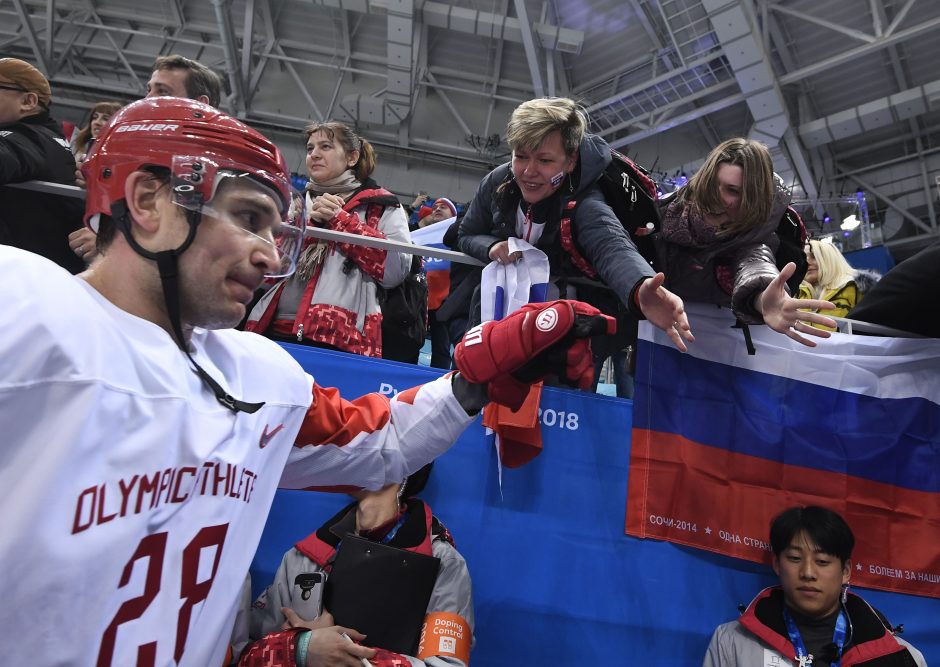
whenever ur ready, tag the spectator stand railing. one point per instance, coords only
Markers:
(845, 325)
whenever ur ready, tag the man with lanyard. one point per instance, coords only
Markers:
(810, 618)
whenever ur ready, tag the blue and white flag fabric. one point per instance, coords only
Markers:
(433, 237)
(507, 287)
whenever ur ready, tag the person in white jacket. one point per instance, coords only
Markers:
(332, 300)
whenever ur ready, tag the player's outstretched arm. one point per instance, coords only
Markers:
(373, 440)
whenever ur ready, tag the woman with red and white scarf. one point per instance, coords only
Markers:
(331, 301)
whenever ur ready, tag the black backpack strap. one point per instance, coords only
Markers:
(748, 342)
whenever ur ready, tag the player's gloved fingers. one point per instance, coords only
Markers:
(593, 325)
(580, 365)
(508, 391)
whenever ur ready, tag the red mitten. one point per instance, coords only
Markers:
(276, 649)
(496, 348)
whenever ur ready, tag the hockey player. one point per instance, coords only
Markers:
(144, 438)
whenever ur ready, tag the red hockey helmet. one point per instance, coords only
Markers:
(199, 145)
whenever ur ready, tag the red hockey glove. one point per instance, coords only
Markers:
(537, 340)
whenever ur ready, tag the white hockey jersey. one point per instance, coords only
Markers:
(133, 501)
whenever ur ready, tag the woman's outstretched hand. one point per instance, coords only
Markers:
(782, 312)
(664, 310)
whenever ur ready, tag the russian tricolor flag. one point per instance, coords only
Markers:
(723, 441)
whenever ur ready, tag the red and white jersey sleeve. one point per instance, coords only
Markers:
(373, 440)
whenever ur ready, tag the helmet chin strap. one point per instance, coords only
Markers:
(168, 265)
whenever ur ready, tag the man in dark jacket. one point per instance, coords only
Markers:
(897, 300)
(32, 148)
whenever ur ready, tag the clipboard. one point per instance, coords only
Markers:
(381, 591)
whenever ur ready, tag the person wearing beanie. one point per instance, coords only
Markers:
(33, 148)
(442, 209)
(443, 212)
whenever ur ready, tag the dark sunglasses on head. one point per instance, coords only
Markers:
(14, 88)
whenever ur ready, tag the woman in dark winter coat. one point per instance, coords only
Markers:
(718, 239)
(553, 162)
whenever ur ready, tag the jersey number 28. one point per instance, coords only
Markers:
(192, 591)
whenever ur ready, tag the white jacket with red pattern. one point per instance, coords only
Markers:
(339, 305)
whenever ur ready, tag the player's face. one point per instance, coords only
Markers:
(811, 580)
(540, 172)
(225, 264)
(167, 83)
(326, 158)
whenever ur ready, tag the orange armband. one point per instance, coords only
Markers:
(444, 633)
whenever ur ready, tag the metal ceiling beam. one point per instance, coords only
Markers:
(50, 36)
(497, 66)
(660, 48)
(903, 82)
(851, 32)
(227, 36)
(487, 81)
(301, 86)
(529, 45)
(450, 106)
(98, 23)
(685, 101)
(874, 6)
(177, 7)
(248, 29)
(775, 33)
(718, 105)
(734, 27)
(267, 22)
(899, 17)
(557, 57)
(887, 200)
(27, 25)
(649, 83)
(609, 77)
(347, 50)
(859, 51)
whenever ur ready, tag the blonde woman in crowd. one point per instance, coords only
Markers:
(830, 277)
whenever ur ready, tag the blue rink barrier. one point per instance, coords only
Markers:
(555, 579)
